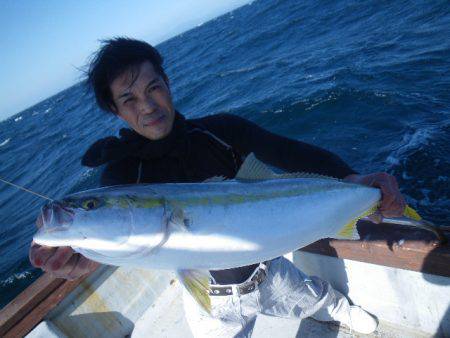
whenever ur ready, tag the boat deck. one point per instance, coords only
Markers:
(166, 320)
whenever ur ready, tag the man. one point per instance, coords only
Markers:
(162, 146)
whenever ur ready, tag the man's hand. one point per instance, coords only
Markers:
(61, 262)
(392, 202)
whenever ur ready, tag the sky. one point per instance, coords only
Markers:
(44, 43)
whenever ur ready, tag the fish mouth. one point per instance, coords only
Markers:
(56, 216)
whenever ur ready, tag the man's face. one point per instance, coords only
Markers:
(145, 103)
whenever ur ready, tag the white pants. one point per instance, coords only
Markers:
(286, 292)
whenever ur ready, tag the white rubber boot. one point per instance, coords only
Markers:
(336, 307)
(358, 320)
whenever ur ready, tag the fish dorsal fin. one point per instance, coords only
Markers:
(253, 169)
(306, 175)
(215, 179)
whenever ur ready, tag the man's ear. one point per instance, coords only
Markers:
(114, 109)
(120, 117)
(166, 80)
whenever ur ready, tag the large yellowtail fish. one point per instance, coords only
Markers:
(218, 224)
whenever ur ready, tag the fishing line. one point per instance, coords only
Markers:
(25, 189)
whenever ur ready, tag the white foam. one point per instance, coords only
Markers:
(18, 119)
(410, 141)
(242, 70)
(405, 176)
(380, 94)
(88, 172)
(5, 142)
(425, 201)
(14, 277)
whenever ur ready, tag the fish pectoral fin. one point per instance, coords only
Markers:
(178, 219)
(253, 169)
(197, 283)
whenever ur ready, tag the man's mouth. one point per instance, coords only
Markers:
(154, 120)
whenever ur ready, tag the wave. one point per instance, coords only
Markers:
(410, 141)
(5, 142)
(17, 119)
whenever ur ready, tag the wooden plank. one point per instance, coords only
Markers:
(28, 309)
(390, 245)
(27, 300)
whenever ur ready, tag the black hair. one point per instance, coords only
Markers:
(114, 57)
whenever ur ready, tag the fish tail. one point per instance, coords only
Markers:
(411, 213)
(349, 231)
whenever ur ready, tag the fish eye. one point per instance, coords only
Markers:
(90, 204)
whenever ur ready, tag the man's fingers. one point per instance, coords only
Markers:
(387, 191)
(61, 262)
(82, 267)
(392, 203)
(395, 209)
(39, 255)
(65, 270)
(58, 259)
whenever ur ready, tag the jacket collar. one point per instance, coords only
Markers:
(132, 144)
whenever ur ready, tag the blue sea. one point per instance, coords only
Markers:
(368, 80)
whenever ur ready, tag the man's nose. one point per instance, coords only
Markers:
(147, 106)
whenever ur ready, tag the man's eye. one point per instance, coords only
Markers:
(152, 88)
(127, 100)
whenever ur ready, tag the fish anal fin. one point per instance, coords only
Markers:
(196, 283)
(253, 169)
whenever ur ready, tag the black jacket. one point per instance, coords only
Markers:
(198, 149)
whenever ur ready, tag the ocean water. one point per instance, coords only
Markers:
(368, 80)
